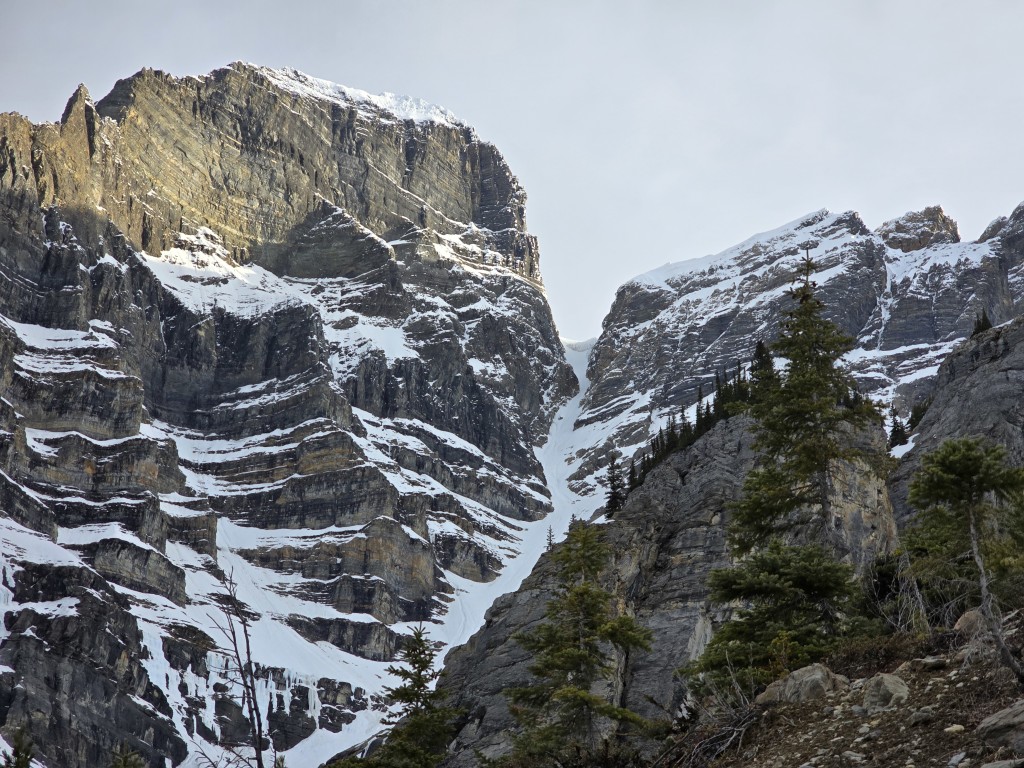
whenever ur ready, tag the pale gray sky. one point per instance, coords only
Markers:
(643, 131)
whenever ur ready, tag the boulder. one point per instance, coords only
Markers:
(970, 624)
(1005, 728)
(884, 691)
(805, 684)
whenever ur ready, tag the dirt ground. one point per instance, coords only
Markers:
(949, 695)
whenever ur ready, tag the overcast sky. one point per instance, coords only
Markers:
(643, 132)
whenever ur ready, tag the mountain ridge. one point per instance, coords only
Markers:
(670, 330)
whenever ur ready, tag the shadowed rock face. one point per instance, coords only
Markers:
(667, 538)
(977, 394)
(257, 326)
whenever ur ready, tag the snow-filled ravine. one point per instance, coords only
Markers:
(466, 610)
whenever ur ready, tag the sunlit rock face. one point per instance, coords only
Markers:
(260, 329)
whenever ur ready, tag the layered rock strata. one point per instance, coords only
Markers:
(256, 330)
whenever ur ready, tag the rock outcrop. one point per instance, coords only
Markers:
(919, 229)
(977, 394)
(667, 538)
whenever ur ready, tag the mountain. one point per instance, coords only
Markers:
(276, 358)
(908, 293)
(912, 313)
(258, 330)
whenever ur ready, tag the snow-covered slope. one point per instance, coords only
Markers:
(671, 329)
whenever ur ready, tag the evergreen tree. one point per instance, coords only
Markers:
(699, 420)
(762, 370)
(917, 412)
(127, 758)
(898, 434)
(615, 496)
(571, 654)
(794, 597)
(962, 492)
(423, 728)
(981, 323)
(686, 434)
(631, 481)
(718, 403)
(800, 421)
(415, 694)
(20, 755)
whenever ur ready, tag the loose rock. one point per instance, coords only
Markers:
(884, 691)
(1005, 728)
(805, 684)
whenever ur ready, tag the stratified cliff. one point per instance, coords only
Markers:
(254, 328)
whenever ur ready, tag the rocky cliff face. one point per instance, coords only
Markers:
(265, 333)
(977, 394)
(908, 294)
(667, 538)
(254, 328)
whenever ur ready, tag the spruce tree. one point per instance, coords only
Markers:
(969, 501)
(615, 496)
(898, 434)
(423, 727)
(794, 601)
(802, 423)
(917, 412)
(571, 654)
(699, 418)
(686, 435)
(981, 323)
(127, 758)
(793, 597)
(20, 755)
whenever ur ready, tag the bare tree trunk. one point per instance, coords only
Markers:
(988, 614)
(246, 670)
(249, 675)
(831, 538)
(919, 614)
